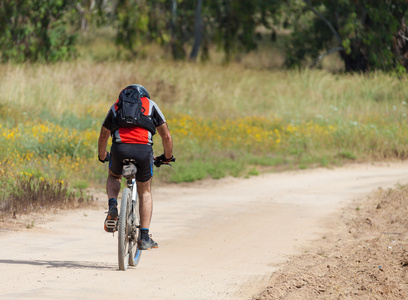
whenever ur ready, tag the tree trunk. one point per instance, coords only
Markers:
(400, 47)
(197, 31)
(173, 29)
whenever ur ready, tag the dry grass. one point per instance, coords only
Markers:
(227, 119)
(29, 194)
(207, 90)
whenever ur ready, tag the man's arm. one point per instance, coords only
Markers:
(167, 142)
(103, 142)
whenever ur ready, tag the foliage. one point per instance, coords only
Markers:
(369, 35)
(363, 31)
(231, 24)
(236, 22)
(35, 30)
(133, 21)
(92, 12)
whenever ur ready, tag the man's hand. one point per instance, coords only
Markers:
(163, 158)
(159, 160)
(107, 158)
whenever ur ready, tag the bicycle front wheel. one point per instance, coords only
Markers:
(123, 230)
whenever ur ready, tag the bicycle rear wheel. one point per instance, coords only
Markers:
(134, 251)
(124, 230)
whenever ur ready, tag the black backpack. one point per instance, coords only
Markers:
(130, 112)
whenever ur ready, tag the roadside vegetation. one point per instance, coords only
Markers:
(225, 120)
(241, 119)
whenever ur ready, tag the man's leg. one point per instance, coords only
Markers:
(112, 190)
(113, 185)
(146, 203)
(146, 210)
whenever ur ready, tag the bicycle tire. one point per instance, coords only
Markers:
(123, 230)
(134, 251)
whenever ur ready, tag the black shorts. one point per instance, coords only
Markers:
(143, 154)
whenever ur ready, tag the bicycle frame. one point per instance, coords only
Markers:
(133, 188)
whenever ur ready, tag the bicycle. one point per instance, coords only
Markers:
(128, 224)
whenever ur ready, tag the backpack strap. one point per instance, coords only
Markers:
(147, 123)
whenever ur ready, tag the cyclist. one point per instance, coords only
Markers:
(134, 143)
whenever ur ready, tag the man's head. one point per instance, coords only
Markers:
(142, 90)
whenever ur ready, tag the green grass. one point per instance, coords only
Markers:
(367, 112)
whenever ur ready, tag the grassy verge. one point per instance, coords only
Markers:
(225, 120)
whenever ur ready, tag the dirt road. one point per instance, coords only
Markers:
(217, 239)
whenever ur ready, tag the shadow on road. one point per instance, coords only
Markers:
(60, 264)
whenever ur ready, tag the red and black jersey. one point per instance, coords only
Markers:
(135, 135)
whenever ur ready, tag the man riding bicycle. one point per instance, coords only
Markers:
(134, 142)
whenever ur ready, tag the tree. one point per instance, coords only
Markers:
(89, 9)
(180, 24)
(133, 18)
(236, 22)
(400, 48)
(363, 32)
(35, 30)
(177, 39)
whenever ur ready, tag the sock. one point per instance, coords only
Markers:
(144, 233)
(112, 202)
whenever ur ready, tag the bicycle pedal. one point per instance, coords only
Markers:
(110, 225)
